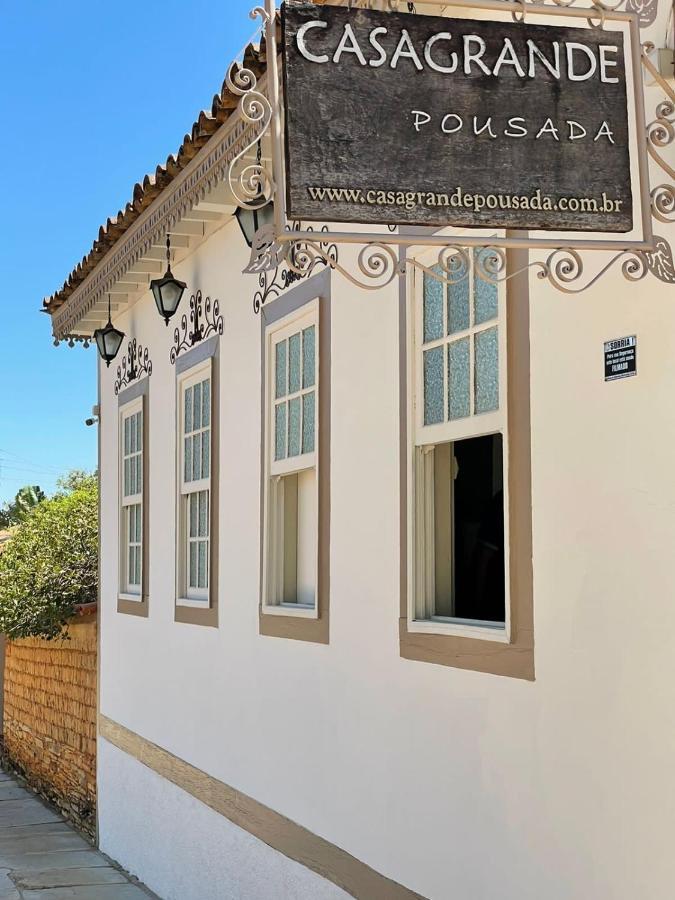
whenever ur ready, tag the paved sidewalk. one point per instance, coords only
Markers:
(43, 858)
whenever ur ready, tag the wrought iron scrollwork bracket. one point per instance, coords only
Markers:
(135, 364)
(292, 263)
(203, 320)
(279, 260)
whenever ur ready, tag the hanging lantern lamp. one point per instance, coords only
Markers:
(167, 290)
(108, 339)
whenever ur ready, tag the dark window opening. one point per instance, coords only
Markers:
(469, 529)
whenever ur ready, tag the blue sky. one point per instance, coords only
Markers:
(93, 96)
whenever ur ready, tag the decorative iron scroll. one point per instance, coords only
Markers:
(277, 259)
(251, 183)
(134, 365)
(646, 10)
(204, 320)
(290, 268)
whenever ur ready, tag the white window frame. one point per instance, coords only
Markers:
(125, 592)
(186, 596)
(274, 470)
(423, 437)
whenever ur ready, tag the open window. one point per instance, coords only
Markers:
(460, 582)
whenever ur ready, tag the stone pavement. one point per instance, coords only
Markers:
(43, 858)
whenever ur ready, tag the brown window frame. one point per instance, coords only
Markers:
(138, 607)
(514, 658)
(314, 629)
(208, 613)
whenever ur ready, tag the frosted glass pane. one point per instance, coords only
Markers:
(192, 579)
(308, 423)
(487, 371)
(137, 568)
(127, 478)
(294, 427)
(458, 305)
(127, 426)
(202, 564)
(308, 356)
(138, 523)
(194, 515)
(139, 475)
(280, 431)
(459, 392)
(196, 457)
(433, 385)
(139, 431)
(187, 466)
(294, 363)
(280, 369)
(132, 565)
(206, 403)
(132, 434)
(203, 513)
(197, 406)
(485, 293)
(206, 453)
(188, 410)
(433, 307)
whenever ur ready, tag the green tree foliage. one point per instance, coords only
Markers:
(75, 479)
(50, 565)
(26, 499)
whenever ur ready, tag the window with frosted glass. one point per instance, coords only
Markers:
(460, 345)
(295, 394)
(459, 516)
(132, 508)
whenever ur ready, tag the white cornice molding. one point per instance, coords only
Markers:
(206, 171)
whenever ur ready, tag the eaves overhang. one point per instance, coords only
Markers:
(188, 198)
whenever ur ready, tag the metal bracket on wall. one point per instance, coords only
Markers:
(135, 364)
(204, 320)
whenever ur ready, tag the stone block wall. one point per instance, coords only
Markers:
(49, 720)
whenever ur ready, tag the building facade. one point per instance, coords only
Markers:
(386, 577)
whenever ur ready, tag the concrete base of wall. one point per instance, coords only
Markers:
(182, 849)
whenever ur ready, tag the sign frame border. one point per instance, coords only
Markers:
(519, 10)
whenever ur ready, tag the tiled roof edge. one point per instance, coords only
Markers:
(146, 192)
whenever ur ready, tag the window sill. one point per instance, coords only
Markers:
(291, 609)
(133, 598)
(495, 633)
(194, 604)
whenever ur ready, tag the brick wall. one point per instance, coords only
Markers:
(49, 718)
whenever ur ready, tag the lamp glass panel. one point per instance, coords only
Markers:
(172, 291)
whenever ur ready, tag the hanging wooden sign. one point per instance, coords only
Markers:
(394, 118)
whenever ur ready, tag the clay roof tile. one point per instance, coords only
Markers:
(145, 192)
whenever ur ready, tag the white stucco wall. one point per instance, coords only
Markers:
(187, 850)
(454, 783)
